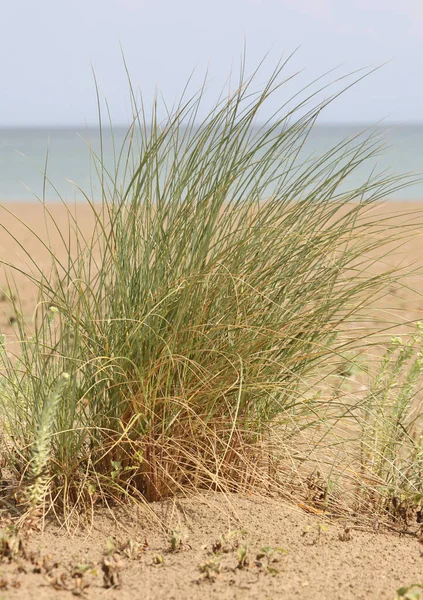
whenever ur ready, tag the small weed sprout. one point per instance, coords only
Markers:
(211, 568)
(112, 566)
(411, 592)
(134, 550)
(270, 553)
(11, 545)
(267, 557)
(242, 555)
(313, 535)
(175, 541)
(227, 542)
(110, 547)
(345, 534)
(322, 528)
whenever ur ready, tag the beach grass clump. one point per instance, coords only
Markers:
(222, 276)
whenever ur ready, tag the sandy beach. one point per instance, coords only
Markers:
(312, 557)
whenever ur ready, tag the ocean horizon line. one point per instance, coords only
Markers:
(90, 126)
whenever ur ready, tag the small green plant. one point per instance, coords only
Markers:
(133, 549)
(11, 545)
(270, 553)
(313, 534)
(158, 560)
(228, 542)
(211, 568)
(242, 556)
(110, 547)
(42, 443)
(322, 528)
(267, 557)
(391, 440)
(411, 592)
(86, 567)
(112, 566)
(175, 541)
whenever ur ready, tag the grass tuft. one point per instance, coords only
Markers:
(225, 273)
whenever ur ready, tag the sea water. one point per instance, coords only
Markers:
(65, 155)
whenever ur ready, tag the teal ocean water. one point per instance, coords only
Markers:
(23, 159)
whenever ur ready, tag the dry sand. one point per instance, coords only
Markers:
(317, 560)
(320, 558)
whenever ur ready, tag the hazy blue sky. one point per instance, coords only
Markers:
(46, 47)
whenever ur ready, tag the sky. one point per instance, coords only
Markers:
(49, 47)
